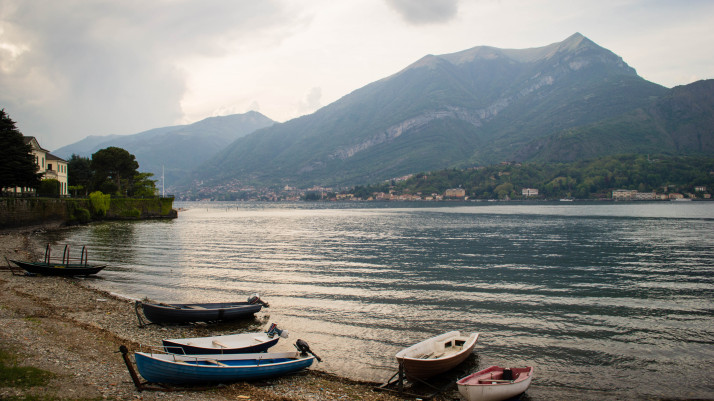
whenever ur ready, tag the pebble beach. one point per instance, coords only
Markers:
(64, 326)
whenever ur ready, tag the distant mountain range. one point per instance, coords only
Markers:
(178, 149)
(566, 101)
(475, 107)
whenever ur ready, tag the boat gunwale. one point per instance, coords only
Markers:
(467, 345)
(292, 357)
(529, 370)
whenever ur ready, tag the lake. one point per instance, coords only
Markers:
(601, 298)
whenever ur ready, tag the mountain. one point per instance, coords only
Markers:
(475, 107)
(680, 122)
(177, 149)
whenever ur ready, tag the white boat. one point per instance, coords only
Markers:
(436, 355)
(495, 383)
(226, 344)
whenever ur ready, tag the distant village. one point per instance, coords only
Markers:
(53, 167)
(289, 193)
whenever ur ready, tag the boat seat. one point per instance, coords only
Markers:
(215, 362)
(194, 307)
(258, 339)
(507, 374)
(219, 344)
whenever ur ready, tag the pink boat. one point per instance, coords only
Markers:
(495, 383)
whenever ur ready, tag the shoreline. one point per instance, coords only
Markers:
(64, 326)
(48, 322)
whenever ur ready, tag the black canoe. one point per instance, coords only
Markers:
(189, 313)
(59, 269)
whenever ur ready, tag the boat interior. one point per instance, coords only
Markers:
(499, 376)
(441, 349)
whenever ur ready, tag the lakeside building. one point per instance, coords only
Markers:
(49, 165)
(455, 193)
(632, 194)
(529, 192)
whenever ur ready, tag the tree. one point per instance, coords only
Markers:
(114, 170)
(79, 172)
(144, 186)
(17, 165)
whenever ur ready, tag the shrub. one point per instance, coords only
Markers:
(100, 203)
(82, 215)
(49, 188)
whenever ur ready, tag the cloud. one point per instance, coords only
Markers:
(311, 102)
(73, 68)
(425, 11)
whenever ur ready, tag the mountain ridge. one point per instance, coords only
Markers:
(174, 151)
(486, 107)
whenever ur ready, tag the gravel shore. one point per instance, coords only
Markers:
(63, 326)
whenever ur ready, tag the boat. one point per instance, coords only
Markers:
(200, 312)
(66, 266)
(226, 344)
(220, 368)
(436, 355)
(495, 383)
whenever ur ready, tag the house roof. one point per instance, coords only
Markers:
(50, 156)
(29, 139)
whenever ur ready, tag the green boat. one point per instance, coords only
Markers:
(66, 267)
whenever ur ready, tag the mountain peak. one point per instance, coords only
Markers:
(572, 44)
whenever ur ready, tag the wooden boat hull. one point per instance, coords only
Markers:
(228, 344)
(436, 355)
(189, 313)
(206, 369)
(59, 269)
(488, 384)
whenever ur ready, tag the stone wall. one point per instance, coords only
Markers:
(48, 212)
(18, 212)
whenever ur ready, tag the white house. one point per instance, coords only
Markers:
(57, 169)
(51, 166)
(529, 192)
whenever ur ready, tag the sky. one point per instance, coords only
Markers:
(74, 68)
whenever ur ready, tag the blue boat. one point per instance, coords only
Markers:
(221, 368)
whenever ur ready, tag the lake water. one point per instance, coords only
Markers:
(612, 299)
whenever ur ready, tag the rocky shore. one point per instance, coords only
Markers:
(65, 327)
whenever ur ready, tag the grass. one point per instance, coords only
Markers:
(12, 375)
(47, 398)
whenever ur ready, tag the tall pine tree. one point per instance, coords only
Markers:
(17, 165)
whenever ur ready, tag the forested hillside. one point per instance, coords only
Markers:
(594, 179)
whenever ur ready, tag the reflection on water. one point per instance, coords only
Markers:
(596, 297)
(108, 236)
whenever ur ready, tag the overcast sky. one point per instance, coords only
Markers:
(73, 68)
